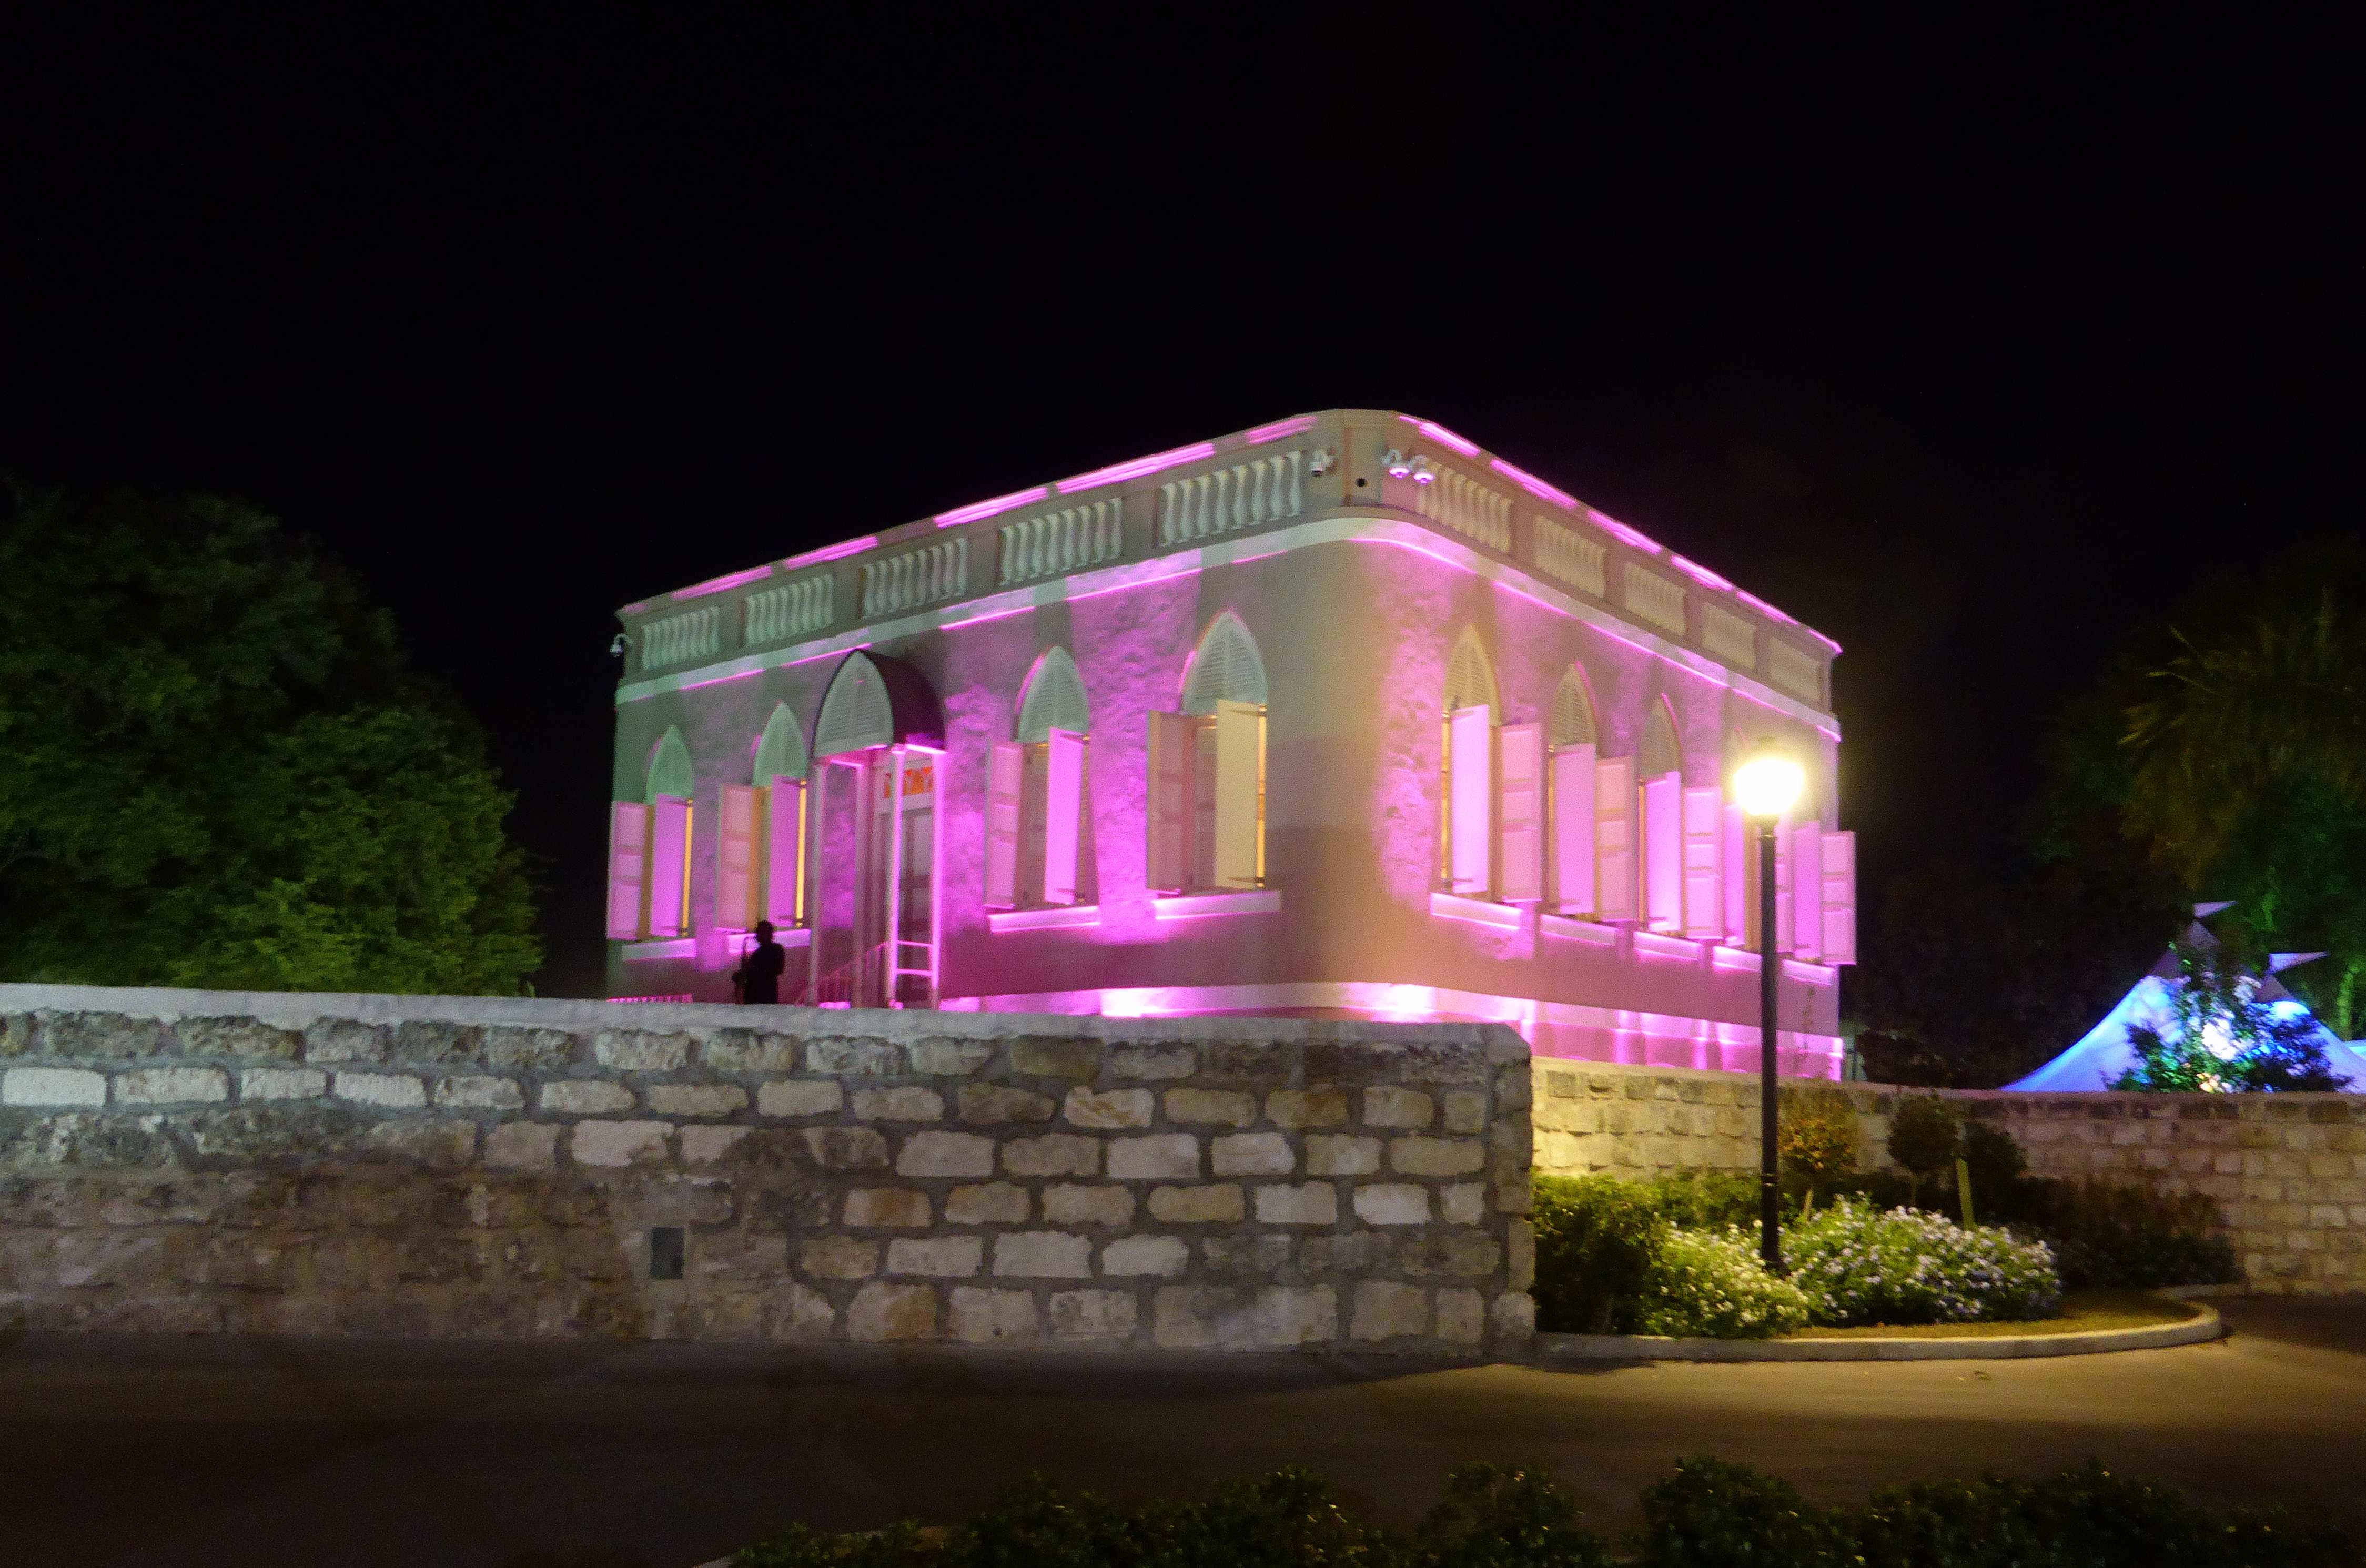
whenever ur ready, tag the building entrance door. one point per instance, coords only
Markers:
(876, 881)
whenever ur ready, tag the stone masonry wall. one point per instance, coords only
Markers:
(2287, 1171)
(186, 1161)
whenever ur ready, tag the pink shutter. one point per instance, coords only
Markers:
(1741, 853)
(1472, 781)
(1032, 791)
(1614, 839)
(740, 825)
(1519, 795)
(1704, 880)
(628, 867)
(1782, 906)
(1004, 771)
(1170, 802)
(1808, 890)
(1572, 830)
(1064, 794)
(784, 851)
(1663, 854)
(1839, 897)
(669, 866)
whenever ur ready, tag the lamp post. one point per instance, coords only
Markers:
(1768, 784)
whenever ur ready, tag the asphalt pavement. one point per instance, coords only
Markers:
(200, 1451)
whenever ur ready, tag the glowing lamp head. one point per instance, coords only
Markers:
(1769, 783)
(1422, 472)
(1396, 462)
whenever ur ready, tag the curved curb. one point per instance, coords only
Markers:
(2203, 1325)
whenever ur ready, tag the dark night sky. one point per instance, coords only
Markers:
(1970, 347)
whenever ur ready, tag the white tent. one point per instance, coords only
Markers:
(2097, 1059)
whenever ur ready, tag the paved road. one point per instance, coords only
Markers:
(193, 1451)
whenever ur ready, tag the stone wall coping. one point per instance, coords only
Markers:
(2202, 1326)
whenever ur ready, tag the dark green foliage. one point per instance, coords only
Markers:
(1996, 1163)
(216, 770)
(2217, 1006)
(2109, 1236)
(1925, 1132)
(1818, 1137)
(1715, 1514)
(1596, 1239)
(1493, 1517)
(1705, 1200)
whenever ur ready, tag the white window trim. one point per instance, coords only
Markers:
(1191, 906)
(1040, 917)
(671, 947)
(1575, 930)
(1483, 911)
(787, 936)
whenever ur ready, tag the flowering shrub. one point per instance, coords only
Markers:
(1860, 1264)
(1710, 1283)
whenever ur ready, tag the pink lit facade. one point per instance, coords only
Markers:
(1249, 726)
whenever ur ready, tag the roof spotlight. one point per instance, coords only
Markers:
(1423, 472)
(1397, 463)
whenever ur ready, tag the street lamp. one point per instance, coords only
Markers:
(1768, 784)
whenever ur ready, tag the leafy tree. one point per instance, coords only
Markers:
(217, 770)
(1818, 1137)
(1925, 1133)
(2221, 1037)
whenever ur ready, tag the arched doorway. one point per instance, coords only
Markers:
(876, 778)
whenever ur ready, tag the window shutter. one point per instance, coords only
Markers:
(784, 851)
(1808, 890)
(1663, 853)
(1170, 801)
(1004, 770)
(1614, 839)
(1240, 794)
(1032, 800)
(629, 864)
(669, 866)
(1472, 781)
(1704, 858)
(735, 857)
(1782, 907)
(1520, 803)
(1839, 898)
(1064, 797)
(1572, 830)
(1741, 855)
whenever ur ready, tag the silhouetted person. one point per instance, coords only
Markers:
(759, 974)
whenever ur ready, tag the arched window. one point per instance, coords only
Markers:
(1207, 769)
(1491, 776)
(648, 849)
(1660, 752)
(1039, 848)
(761, 853)
(856, 713)
(1576, 768)
(1660, 764)
(1572, 711)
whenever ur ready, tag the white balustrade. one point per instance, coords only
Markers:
(1263, 490)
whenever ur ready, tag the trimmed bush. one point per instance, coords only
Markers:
(2106, 1235)
(1705, 1200)
(1860, 1264)
(1597, 1239)
(1818, 1137)
(1925, 1132)
(1711, 1283)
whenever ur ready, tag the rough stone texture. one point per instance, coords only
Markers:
(183, 1161)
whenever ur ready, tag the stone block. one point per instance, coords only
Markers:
(800, 1096)
(992, 1203)
(1465, 1110)
(1160, 1156)
(437, 1042)
(1461, 1317)
(1298, 1107)
(1333, 1155)
(237, 1037)
(1052, 1154)
(1283, 1316)
(987, 1104)
(1257, 1061)
(513, 1049)
(1462, 1254)
(618, 1143)
(1358, 1252)
(1464, 1204)
(1387, 1310)
(479, 1093)
(845, 1148)
(1067, 1204)
(747, 1051)
(1215, 1107)
(1137, 1255)
(901, 1104)
(886, 1312)
(948, 1058)
(1393, 1203)
(282, 1083)
(172, 1085)
(937, 1257)
(583, 1096)
(1154, 1062)
(1109, 1108)
(1197, 1205)
(640, 1051)
(899, 1207)
(440, 1146)
(705, 1146)
(1043, 1254)
(344, 1040)
(522, 1146)
(1520, 1246)
(1044, 1058)
(946, 1154)
(1315, 1203)
(854, 1058)
(839, 1257)
(1093, 1314)
(984, 1316)
(1251, 1154)
(1259, 1256)
(394, 1092)
(1437, 1157)
(1512, 1321)
(52, 1086)
(693, 1099)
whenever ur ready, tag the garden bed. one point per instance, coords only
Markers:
(2091, 1323)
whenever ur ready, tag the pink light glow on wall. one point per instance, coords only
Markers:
(1762, 608)
(1633, 537)
(1136, 467)
(1279, 428)
(1442, 436)
(1000, 504)
(1535, 486)
(1699, 573)
(718, 584)
(830, 552)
